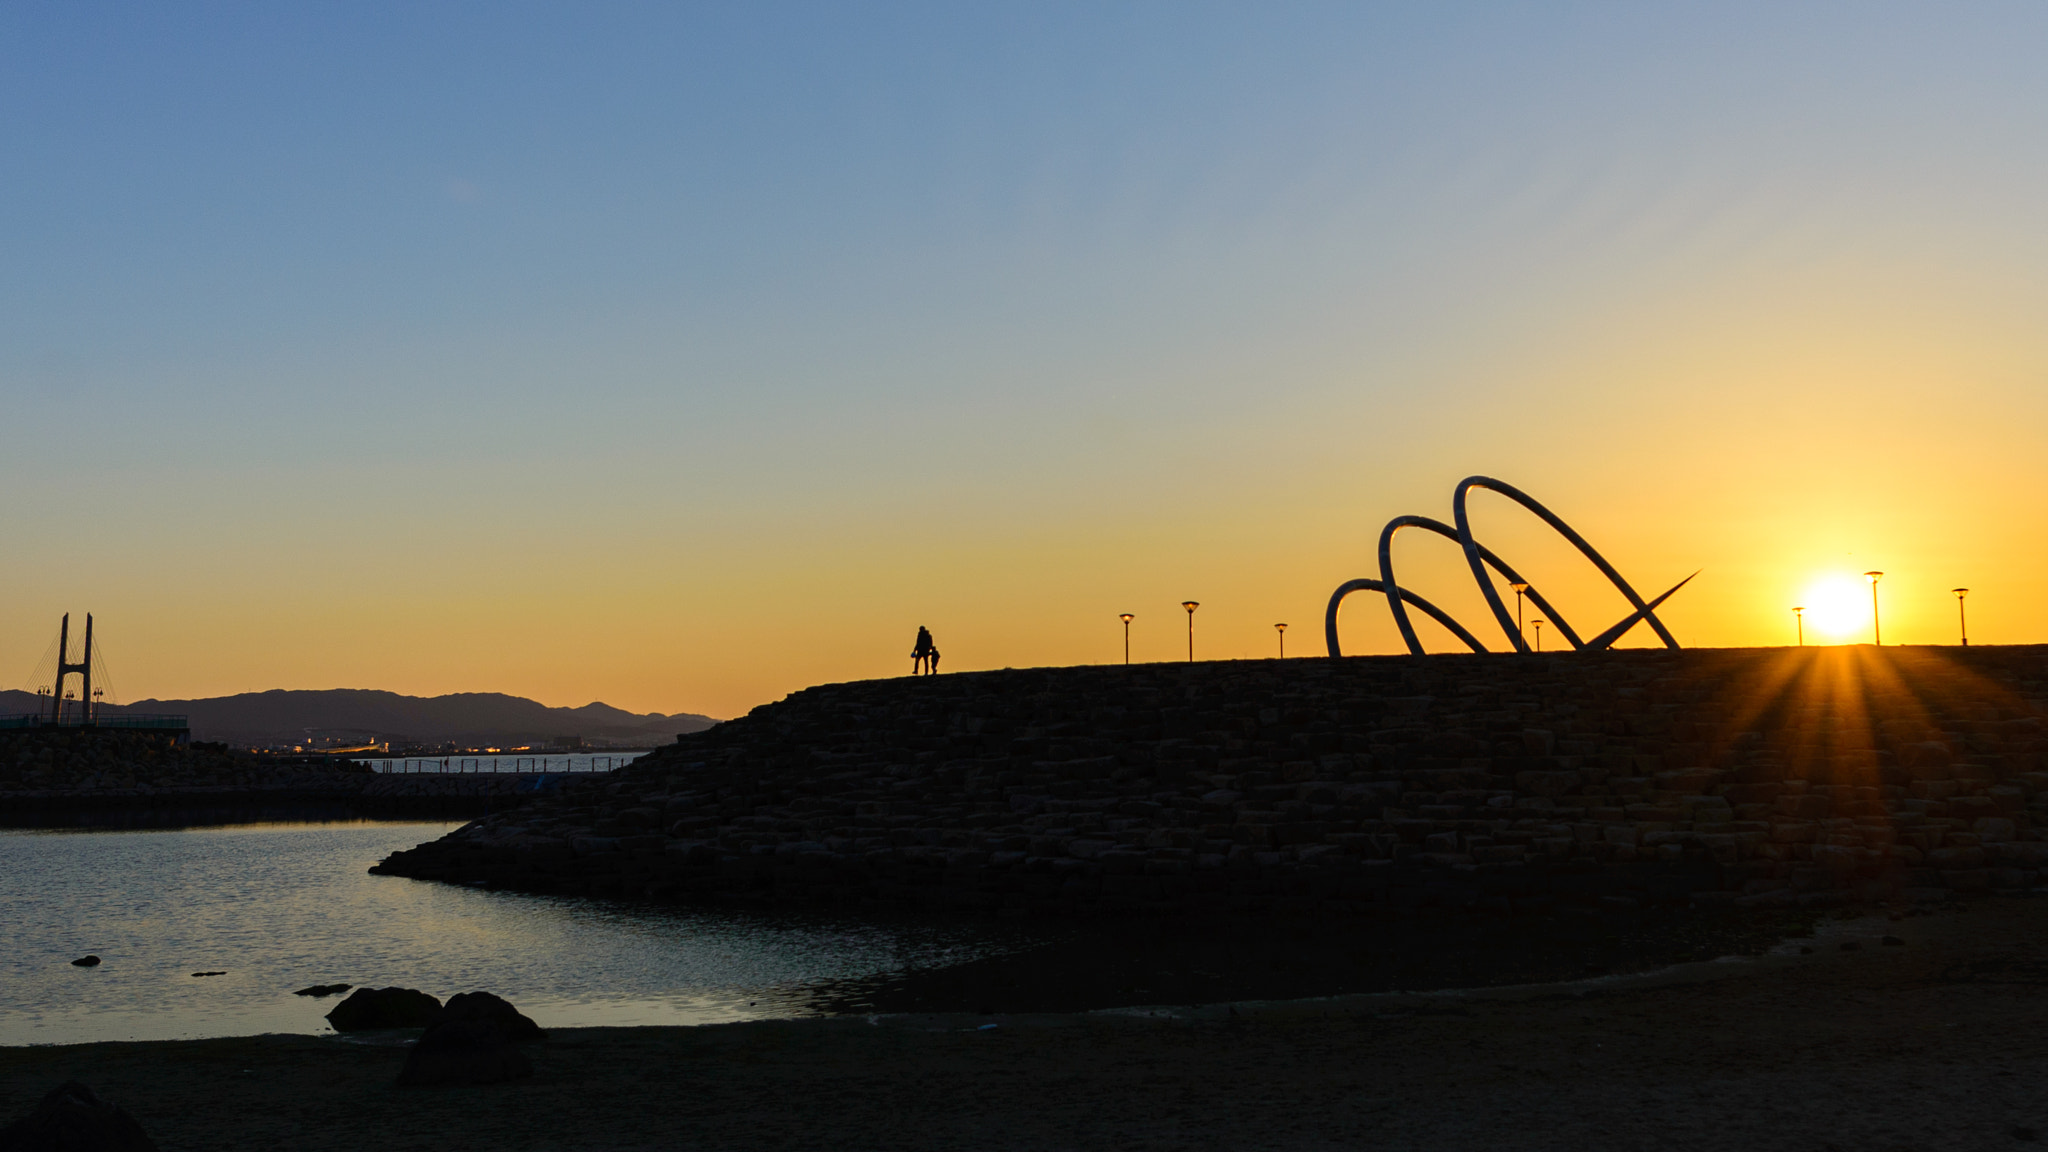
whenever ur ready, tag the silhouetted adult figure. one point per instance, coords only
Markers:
(924, 657)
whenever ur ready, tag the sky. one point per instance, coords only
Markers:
(681, 356)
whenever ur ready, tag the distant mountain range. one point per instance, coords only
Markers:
(479, 719)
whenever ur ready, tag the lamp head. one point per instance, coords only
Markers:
(1519, 587)
(1799, 611)
(1124, 616)
(1191, 605)
(1279, 627)
(1960, 592)
(1874, 576)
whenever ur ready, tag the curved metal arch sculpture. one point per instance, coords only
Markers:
(1479, 558)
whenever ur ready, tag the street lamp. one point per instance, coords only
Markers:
(1126, 618)
(1962, 621)
(1876, 633)
(1799, 618)
(1282, 630)
(1538, 622)
(1521, 641)
(1191, 605)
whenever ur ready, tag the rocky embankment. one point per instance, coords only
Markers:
(44, 763)
(1369, 785)
(43, 769)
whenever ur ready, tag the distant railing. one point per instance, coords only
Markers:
(408, 765)
(129, 720)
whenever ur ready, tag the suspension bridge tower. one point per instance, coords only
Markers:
(65, 668)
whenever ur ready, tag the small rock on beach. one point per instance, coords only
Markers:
(71, 1119)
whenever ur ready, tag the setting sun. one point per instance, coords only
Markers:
(1838, 608)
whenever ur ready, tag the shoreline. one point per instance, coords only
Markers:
(1933, 1043)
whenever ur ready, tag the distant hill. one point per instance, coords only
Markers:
(469, 718)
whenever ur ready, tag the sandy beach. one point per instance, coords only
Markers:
(1933, 1043)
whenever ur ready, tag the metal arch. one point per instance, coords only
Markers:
(1386, 556)
(1500, 611)
(1479, 557)
(1368, 585)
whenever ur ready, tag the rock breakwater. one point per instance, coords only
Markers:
(84, 762)
(1368, 785)
(45, 770)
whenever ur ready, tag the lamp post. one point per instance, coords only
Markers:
(1962, 621)
(1520, 641)
(1799, 620)
(1876, 633)
(1191, 605)
(1538, 622)
(1126, 618)
(1282, 630)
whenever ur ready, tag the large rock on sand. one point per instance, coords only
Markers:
(495, 1009)
(464, 1052)
(72, 1119)
(371, 1008)
(473, 1040)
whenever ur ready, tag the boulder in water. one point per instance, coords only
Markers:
(483, 1006)
(72, 1119)
(384, 1008)
(319, 990)
(464, 1052)
(86, 962)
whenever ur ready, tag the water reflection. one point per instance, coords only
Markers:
(283, 906)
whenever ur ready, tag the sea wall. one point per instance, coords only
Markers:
(1369, 785)
(45, 771)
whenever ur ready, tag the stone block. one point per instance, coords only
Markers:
(1967, 880)
(1956, 859)
(1794, 832)
(1804, 807)
(1837, 859)
(1725, 849)
(1546, 783)
(2020, 853)
(1686, 781)
(1992, 829)
(1738, 794)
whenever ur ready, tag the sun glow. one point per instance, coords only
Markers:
(1838, 608)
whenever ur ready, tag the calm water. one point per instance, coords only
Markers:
(282, 906)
